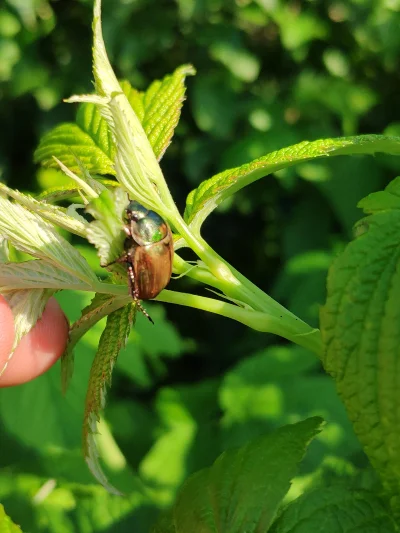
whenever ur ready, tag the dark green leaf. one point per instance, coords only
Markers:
(243, 489)
(113, 338)
(6, 524)
(361, 333)
(335, 510)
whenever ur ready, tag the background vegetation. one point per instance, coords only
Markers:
(269, 74)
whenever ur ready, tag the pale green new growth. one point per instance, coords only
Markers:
(54, 214)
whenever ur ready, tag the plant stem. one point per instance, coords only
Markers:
(300, 333)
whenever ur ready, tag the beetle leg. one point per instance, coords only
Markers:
(122, 259)
(133, 290)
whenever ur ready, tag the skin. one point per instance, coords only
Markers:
(38, 350)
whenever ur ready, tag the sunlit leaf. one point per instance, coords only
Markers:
(6, 524)
(54, 214)
(37, 274)
(106, 231)
(203, 200)
(29, 233)
(244, 487)
(159, 107)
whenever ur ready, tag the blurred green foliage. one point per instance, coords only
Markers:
(269, 73)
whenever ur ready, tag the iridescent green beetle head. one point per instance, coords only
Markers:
(147, 227)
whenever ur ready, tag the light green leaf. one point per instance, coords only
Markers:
(6, 524)
(4, 251)
(37, 274)
(29, 233)
(101, 306)
(244, 487)
(54, 214)
(113, 338)
(159, 107)
(106, 231)
(203, 200)
(335, 510)
(136, 166)
(382, 200)
(27, 307)
(68, 141)
(361, 334)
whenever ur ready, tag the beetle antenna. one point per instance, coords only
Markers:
(143, 310)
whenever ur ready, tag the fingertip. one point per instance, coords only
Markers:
(38, 350)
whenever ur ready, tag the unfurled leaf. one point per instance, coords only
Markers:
(203, 200)
(68, 141)
(101, 306)
(54, 214)
(27, 307)
(113, 338)
(159, 107)
(29, 233)
(4, 251)
(6, 524)
(37, 274)
(360, 328)
(244, 487)
(335, 510)
(136, 166)
(106, 231)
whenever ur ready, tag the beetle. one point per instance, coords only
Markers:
(149, 251)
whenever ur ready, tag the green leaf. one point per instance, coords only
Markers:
(68, 141)
(203, 200)
(101, 306)
(159, 108)
(113, 338)
(42, 505)
(37, 274)
(29, 233)
(335, 510)
(54, 214)
(6, 524)
(244, 487)
(382, 200)
(106, 231)
(38, 416)
(360, 330)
